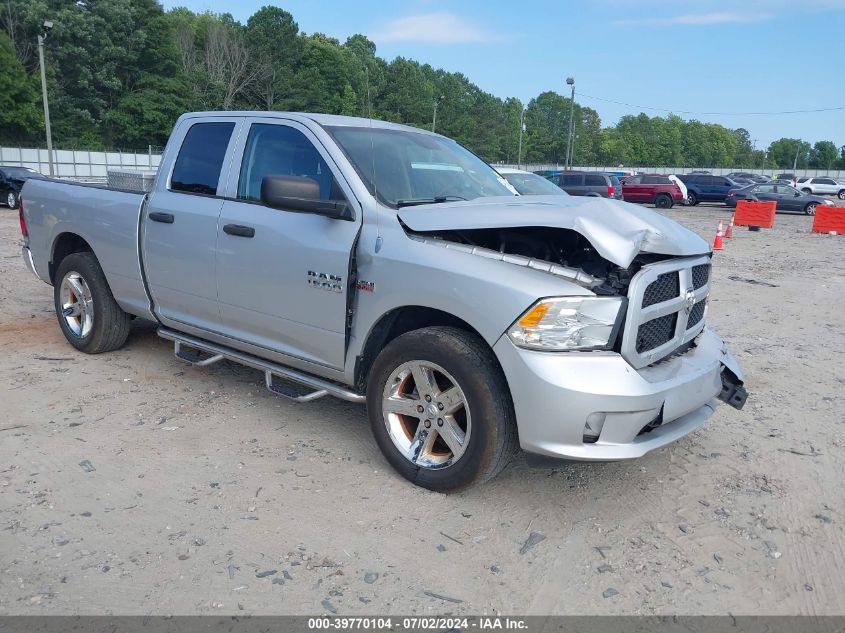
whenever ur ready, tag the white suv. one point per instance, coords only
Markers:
(821, 186)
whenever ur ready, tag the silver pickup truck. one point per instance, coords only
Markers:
(384, 264)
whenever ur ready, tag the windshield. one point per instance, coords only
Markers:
(534, 185)
(21, 172)
(410, 166)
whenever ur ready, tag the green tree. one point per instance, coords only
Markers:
(273, 36)
(20, 115)
(788, 151)
(823, 155)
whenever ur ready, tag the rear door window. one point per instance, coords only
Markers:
(591, 180)
(200, 160)
(572, 180)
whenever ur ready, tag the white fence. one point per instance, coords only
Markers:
(839, 174)
(91, 165)
(77, 164)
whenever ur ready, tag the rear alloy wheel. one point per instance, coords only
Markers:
(663, 201)
(810, 209)
(692, 199)
(12, 200)
(440, 408)
(90, 318)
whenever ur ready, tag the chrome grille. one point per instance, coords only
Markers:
(661, 289)
(666, 304)
(656, 332)
(700, 275)
(697, 313)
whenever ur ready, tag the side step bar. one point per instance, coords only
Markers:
(203, 353)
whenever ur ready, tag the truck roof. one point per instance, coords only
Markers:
(321, 119)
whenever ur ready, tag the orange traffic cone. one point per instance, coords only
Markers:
(730, 230)
(717, 243)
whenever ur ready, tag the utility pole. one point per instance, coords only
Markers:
(521, 130)
(795, 162)
(47, 26)
(568, 164)
(434, 118)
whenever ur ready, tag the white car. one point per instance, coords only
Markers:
(821, 186)
(526, 183)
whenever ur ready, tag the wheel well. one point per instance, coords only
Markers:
(66, 244)
(395, 323)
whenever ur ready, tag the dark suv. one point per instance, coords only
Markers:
(588, 183)
(706, 187)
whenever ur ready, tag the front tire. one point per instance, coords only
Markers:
(692, 199)
(663, 201)
(841, 195)
(88, 315)
(807, 190)
(440, 409)
(810, 209)
(12, 200)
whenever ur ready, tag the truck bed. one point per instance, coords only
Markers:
(107, 219)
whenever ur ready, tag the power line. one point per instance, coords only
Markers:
(634, 105)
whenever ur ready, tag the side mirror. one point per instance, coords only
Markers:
(302, 194)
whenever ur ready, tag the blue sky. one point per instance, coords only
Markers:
(726, 56)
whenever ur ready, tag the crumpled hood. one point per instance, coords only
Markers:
(617, 230)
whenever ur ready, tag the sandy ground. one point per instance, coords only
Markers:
(211, 495)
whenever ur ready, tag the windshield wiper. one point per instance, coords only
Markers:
(435, 200)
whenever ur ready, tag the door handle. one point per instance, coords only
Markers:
(239, 229)
(165, 218)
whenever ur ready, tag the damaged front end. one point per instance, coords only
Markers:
(561, 252)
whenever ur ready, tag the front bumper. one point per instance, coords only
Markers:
(554, 394)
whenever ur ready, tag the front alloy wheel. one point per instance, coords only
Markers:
(426, 414)
(12, 200)
(440, 408)
(810, 209)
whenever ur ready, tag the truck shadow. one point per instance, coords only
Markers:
(346, 424)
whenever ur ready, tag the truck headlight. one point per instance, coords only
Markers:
(568, 323)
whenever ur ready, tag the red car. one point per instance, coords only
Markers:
(652, 188)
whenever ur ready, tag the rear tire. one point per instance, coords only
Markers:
(692, 199)
(841, 195)
(807, 190)
(810, 209)
(663, 201)
(88, 315)
(458, 373)
(12, 200)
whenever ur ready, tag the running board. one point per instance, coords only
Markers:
(203, 353)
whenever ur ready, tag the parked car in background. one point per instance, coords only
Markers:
(530, 184)
(680, 184)
(11, 183)
(587, 183)
(744, 175)
(788, 198)
(652, 188)
(821, 186)
(790, 177)
(707, 188)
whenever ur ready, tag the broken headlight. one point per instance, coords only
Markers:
(568, 323)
